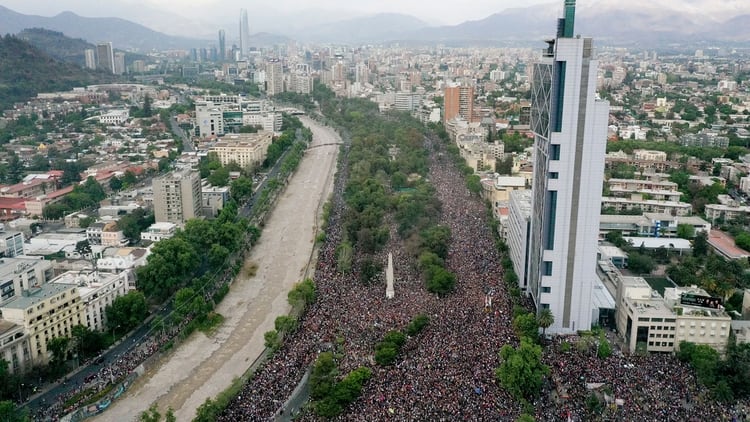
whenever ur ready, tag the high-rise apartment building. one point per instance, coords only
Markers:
(274, 77)
(177, 196)
(244, 34)
(105, 58)
(119, 63)
(222, 45)
(570, 132)
(90, 55)
(458, 102)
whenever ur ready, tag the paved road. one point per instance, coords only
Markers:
(111, 355)
(204, 366)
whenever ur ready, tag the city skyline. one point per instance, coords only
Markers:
(213, 12)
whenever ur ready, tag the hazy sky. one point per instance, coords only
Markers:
(434, 11)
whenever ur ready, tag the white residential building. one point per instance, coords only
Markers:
(97, 291)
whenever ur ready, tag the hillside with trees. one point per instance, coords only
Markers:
(57, 45)
(25, 71)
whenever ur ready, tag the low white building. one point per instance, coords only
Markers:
(97, 291)
(159, 231)
(15, 347)
(659, 323)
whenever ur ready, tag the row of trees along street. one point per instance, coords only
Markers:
(194, 267)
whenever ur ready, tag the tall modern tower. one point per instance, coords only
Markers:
(222, 45)
(244, 34)
(570, 132)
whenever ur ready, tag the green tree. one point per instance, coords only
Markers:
(129, 179)
(386, 353)
(285, 324)
(440, 281)
(545, 319)
(302, 294)
(39, 163)
(522, 372)
(58, 346)
(127, 312)
(115, 183)
(474, 184)
(640, 264)
(700, 244)
(15, 169)
(219, 177)
(9, 412)
(272, 340)
(151, 415)
(241, 189)
(322, 376)
(525, 325)
(685, 231)
(605, 349)
(436, 239)
(344, 255)
(742, 241)
(88, 342)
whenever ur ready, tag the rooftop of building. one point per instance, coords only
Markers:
(612, 251)
(725, 245)
(7, 326)
(659, 242)
(37, 295)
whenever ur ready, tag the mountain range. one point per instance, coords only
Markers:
(642, 22)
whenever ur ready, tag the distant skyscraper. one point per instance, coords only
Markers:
(570, 134)
(244, 33)
(222, 45)
(90, 56)
(458, 101)
(105, 57)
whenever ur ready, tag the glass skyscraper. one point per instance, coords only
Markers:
(570, 135)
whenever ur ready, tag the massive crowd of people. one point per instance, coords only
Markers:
(108, 375)
(447, 372)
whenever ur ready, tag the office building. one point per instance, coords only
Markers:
(570, 133)
(458, 102)
(244, 149)
(21, 274)
(96, 291)
(209, 119)
(647, 320)
(11, 243)
(177, 196)
(222, 45)
(45, 312)
(90, 57)
(244, 34)
(105, 57)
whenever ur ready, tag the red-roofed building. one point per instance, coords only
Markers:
(11, 208)
(723, 244)
(36, 205)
